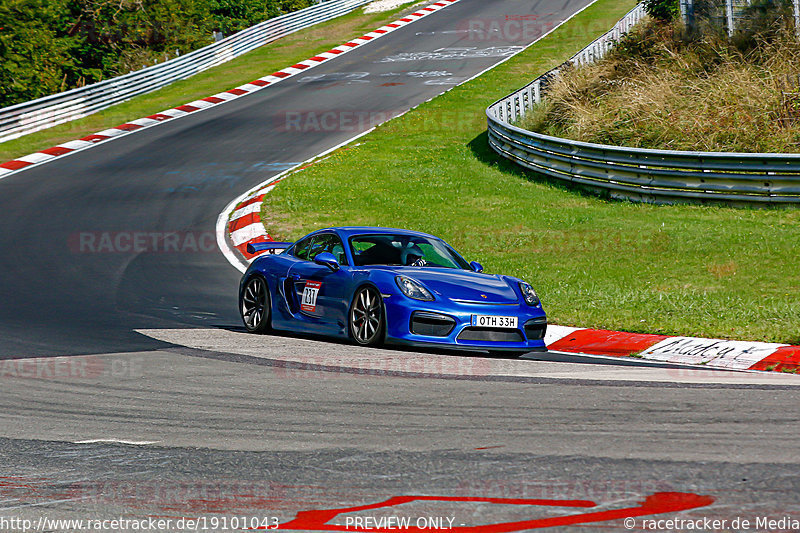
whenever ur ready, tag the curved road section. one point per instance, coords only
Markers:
(121, 237)
(129, 391)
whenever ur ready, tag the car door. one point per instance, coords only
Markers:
(319, 292)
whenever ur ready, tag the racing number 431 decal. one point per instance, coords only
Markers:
(310, 293)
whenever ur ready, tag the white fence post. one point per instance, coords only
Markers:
(687, 12)
(796, 4)
(729, 16)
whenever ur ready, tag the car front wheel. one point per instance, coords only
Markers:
(366, 317)
(254, 305)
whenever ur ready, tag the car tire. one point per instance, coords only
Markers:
(366, 317)
(255, 305)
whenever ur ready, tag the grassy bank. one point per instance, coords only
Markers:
(676, 270)
(663, 88)
(296, 47)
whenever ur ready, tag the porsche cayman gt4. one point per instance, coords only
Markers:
(375, 285)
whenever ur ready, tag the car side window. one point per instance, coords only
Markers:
(302, 249)
(331, 243)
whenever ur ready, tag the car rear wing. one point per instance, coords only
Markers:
(272, 247)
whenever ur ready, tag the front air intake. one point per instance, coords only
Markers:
(490, 334)
(431, 324)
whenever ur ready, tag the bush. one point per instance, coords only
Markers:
(47, 46)
(664, 89)
(662, 10)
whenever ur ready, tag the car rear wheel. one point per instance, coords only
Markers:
(366, 317)
(254, 305)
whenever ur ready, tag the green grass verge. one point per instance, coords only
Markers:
(289, 50)
(689, 270)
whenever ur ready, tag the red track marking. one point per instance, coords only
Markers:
(662, 502)
(128, 127)
(350, 44)
(240, 223)
(15, 164)
(56, 151)
(393, 25)
(785, 358)
(317, 58)
(333, 51)
(161, 116)
(260, 83)
(281, 74)
(213, 100)
(603, 342)
(252, 200)
(94, 138)
(188, 108)
(299, 66)
(366, 37)
(380, 31)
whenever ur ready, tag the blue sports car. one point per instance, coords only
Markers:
(376, 285)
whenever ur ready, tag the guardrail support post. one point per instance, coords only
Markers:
(729, 16)
(796, 4)
(687, 13)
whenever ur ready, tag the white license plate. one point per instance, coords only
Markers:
(490, 321)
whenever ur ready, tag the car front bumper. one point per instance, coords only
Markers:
(448, 324)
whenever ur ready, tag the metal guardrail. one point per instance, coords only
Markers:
(660, 176)
(27, 117)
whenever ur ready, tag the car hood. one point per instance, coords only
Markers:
(463, 284)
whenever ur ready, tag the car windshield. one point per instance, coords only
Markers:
(404, 250)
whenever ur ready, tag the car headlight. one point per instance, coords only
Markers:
(531, 298)
(413, 289)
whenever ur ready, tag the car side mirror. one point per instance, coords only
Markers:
(327, 259)
(477, 267)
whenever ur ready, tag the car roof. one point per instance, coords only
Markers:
(349, 231)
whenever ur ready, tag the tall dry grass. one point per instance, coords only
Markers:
(662, 88)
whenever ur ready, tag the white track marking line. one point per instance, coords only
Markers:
(111, 132)
(247, 233)
(246, 210)
(555, 332)
(36, 157)
(76, 144)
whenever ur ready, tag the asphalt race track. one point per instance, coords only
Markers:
(129, 390)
